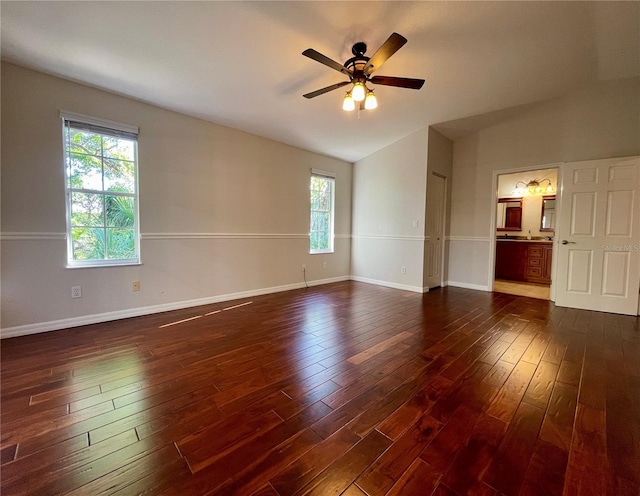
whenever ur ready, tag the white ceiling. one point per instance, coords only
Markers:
(240, 63)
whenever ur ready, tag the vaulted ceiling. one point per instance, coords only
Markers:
(240, 63)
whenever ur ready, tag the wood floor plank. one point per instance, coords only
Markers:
(509, 467)
(587, 467)
(419, 478)
(541, 385)
(350, 410)
(123, 476)
(157, 481)
(442, 451)
(406, 415)
(378, 348)
(546, 470)
(557, 427)
(508, 398)
(299, 473)
(476, 455)
(249, 481)
(381, 476)
(344, 470)
(40, 465)
(203, 448)
(236, 465)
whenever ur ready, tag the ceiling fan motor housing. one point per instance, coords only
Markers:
(358, 61)
(359, 49)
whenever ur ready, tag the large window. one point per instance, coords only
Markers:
(322, 199)
(102, 193)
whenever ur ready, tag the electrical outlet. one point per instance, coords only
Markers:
(304, 267)
(136, 285)
(415, 224)
(76, 292)
(403, 269)
(324, 265)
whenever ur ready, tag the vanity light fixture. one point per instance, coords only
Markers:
(533, 187)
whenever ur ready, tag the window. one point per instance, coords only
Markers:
(322, 199)
(102, 193)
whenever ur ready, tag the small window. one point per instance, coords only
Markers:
(101, 174)
(322, 200)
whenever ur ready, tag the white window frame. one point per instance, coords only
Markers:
(106, 127)
(331, 177)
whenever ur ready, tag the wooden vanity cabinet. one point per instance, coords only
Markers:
(524, 261)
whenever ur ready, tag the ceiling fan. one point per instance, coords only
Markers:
(359, 69)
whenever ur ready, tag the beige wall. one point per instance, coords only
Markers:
(388, 196)
(600, 122)
(389, 209)
(222, 212)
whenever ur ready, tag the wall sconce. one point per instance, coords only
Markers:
(533, 187)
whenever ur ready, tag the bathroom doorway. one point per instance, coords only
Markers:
(525, 222)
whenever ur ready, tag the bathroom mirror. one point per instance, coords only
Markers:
(509, 215)
(548, 215)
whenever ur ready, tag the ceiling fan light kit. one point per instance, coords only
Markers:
(358, 92)
(348, 104)
(370, 102)
(359, 69)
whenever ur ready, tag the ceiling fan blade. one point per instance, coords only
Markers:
(388, 48)
(323, 59)
(326, 90)
(414, 84)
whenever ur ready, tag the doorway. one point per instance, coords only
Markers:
(434, 230)
(525, 223)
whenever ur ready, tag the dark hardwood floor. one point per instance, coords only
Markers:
(342, 389)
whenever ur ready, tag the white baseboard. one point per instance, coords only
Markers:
(54, 325)
(465, 285)
(404, 287)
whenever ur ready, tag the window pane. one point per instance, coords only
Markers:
(84, 142)
(119, 175)
(325, 200)
(85, 172)
(88, 243)
(323, 222)
(120, 211)
(323, 241)
(121, 243)
(87, 209)
(315, 200)
(314, 241)
(122, 149)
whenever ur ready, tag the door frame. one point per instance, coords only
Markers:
(494, 212)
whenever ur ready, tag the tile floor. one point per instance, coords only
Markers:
(531, 290)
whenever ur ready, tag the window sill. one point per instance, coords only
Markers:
(321, 252)
(102, 266)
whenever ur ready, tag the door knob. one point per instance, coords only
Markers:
(565, 242)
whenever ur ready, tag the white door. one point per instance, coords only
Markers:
(598, 236)
(434, 232)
